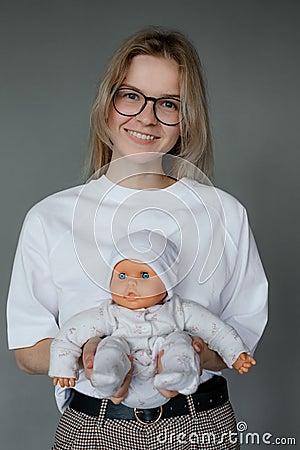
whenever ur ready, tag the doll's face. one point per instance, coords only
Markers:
(135, 285)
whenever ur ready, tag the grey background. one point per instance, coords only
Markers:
(52, 55)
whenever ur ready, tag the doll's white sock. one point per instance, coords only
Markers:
(180, 363)
(111, 365)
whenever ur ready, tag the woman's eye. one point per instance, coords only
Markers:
(145, 275)
(122, 276)
(167, 104)
(131, 96)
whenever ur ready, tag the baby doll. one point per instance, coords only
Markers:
(142, 318)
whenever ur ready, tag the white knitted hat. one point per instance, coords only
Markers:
(152, 248)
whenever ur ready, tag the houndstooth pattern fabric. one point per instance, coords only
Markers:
(214, 429)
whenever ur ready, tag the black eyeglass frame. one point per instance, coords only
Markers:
(151, 99)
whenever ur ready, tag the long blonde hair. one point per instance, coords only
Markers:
(194, 144)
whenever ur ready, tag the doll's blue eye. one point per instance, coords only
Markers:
(145, 275)
(122, 276)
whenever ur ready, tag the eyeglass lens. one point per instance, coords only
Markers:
(129, 102)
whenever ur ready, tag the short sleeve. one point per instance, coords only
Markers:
(244, 298)
(32, 301)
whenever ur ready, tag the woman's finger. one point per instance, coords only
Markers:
(122, 393)
(164, 392)
(88, 355)
(158, 361)
(199, 347)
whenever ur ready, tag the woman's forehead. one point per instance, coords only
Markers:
(153, 75)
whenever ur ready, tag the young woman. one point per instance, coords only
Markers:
(149, 142)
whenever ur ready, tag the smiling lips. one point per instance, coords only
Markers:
(142, 136)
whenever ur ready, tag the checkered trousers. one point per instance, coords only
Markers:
(214, 429)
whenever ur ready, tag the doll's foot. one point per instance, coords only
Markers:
(108, 378)
(175, 381)
(106, 384)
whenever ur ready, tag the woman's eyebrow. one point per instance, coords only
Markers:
(168, 95)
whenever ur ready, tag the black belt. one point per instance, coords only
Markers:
(210, 394)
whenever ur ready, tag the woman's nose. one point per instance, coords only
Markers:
(147, 117)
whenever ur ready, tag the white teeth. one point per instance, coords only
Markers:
(147, 137)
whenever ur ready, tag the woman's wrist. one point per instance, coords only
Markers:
(34, 360)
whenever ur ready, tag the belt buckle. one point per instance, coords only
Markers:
(137, 411)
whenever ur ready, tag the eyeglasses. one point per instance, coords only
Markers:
(129, 102)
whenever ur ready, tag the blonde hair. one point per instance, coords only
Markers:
(194, 144)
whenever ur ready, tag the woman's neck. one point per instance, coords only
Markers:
(129, 173)
(145, 181)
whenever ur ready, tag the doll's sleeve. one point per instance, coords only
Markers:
(66, 348)
(219, 336)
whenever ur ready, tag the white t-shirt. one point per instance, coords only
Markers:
(61, 266)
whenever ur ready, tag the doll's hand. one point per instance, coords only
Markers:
(122, 393)
(88, 355)
(64, 382)
(244, 363)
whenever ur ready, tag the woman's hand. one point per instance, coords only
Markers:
(209, 359)
(88, 355)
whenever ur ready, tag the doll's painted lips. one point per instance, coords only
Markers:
(131, 294)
